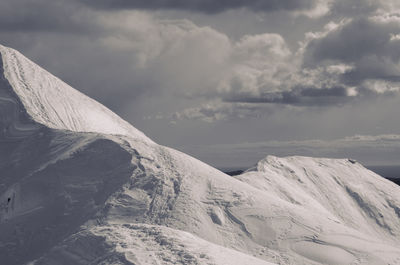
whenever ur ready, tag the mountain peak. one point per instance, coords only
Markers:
(27, 88)
(279, 162)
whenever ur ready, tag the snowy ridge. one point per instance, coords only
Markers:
(340, 186)
(354, 211)
(73, 191)
(52, 103)
(268, 214)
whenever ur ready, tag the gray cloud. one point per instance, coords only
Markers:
(301, 96)
(127, 57)
(354, 59)
(369, 45)
(207, 6)
(242, 107)
(358, 38)
(340, 9)
(222, 111)
(349, 61)
(43, 15)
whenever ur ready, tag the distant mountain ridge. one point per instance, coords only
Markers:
(391, 173)
(78, 185)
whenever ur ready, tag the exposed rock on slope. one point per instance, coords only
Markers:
(78, 185)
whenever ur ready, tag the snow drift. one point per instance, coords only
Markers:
(79, 185)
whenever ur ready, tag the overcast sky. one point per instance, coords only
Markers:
(229, 81)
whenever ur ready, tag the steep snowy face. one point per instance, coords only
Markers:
(26, 87)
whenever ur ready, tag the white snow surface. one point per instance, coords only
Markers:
(51, 102)
(74, 192)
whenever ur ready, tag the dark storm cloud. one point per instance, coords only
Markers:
(353, 8)
(114, 57)
(300, 96)
(42, 15)
(370, 45)
(359, 38)
(207, 6)
(350, 61)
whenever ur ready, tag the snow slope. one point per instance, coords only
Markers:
(91, 189)
(348, 214)
(54, 104)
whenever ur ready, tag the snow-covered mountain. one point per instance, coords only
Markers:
(78, 185)
(47, 100)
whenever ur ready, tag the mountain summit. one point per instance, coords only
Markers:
(46, 100)
(78, 185)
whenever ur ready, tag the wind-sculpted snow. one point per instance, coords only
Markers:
(340, 186)
(75, 192)
(354, 212)
(288, 211)
(51, 102)
(14, 122)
